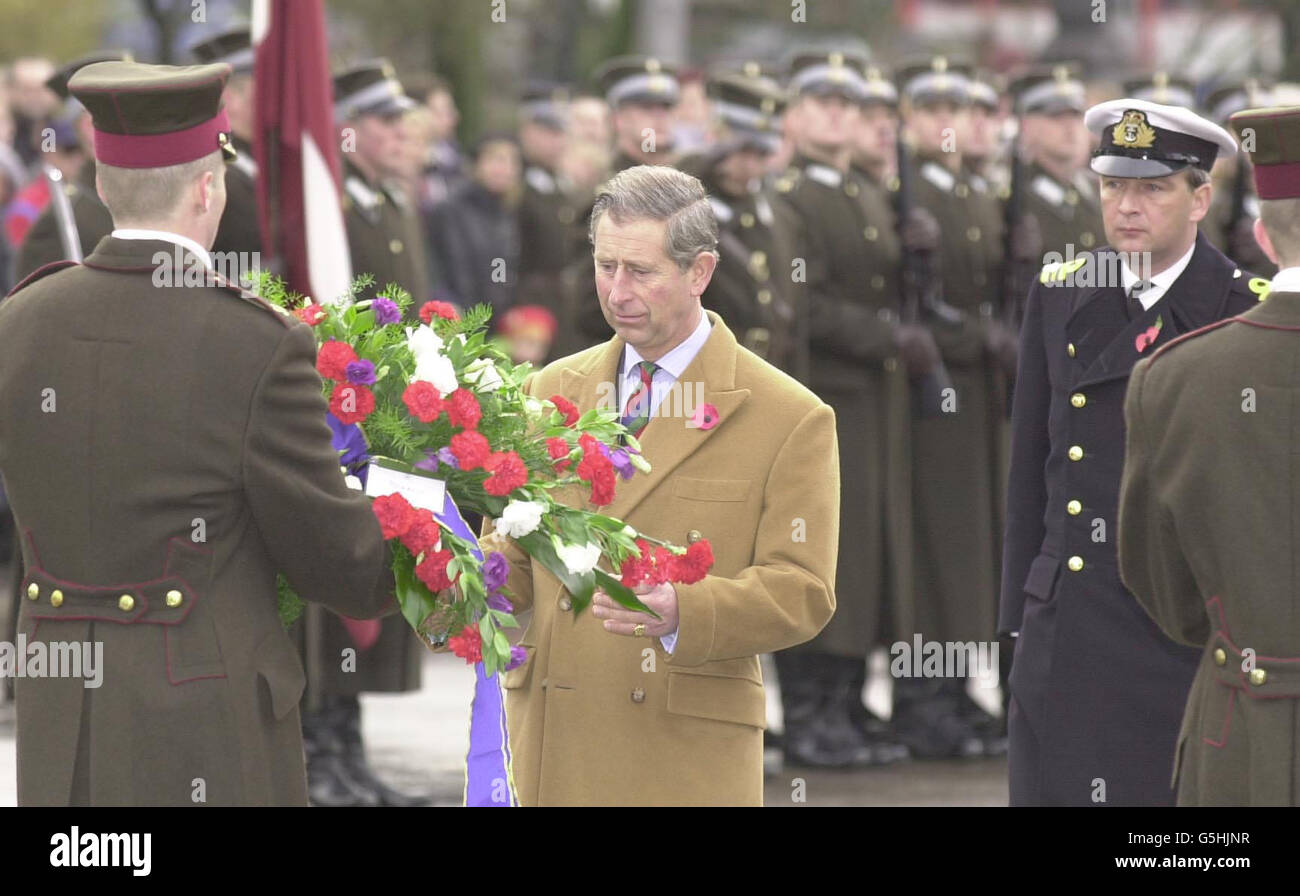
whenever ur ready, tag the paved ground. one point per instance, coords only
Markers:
(418, 741)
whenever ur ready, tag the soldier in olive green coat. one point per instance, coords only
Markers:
(1207, 498)
(161, 446)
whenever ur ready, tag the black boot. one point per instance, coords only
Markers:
(928, 721)
(991, 729)
(328, 780)
(354, 759)
(818, 733)
(886, 747)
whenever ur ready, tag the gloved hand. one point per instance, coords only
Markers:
(1003, 344)
(921, 231)
(917, 349)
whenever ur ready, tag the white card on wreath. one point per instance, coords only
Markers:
(420, 490)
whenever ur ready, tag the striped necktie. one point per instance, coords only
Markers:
(636, 413)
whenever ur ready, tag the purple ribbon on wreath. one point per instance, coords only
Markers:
(488, 779)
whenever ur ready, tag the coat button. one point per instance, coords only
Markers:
(1078, 399)
(973, 234)
(764, 297)
(1220, 657)
(395, 246)
(891, 364)
(1087, 239)
(877, 281)
(693, 536)
(33, 591)
(1258, 677)
(962, 191)
(746, 220)
(56, 598)
(565, 604)
(851, 188)
(126, 603)
(1069, 349)
(1074, 508)
(1075, 453)
(871, 233)
(174, 598)
(1075, 564)
(638, 695)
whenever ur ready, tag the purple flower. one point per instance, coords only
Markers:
(445, 455)
(430, 462)
(386, 311)
(622, 462)
(350, 441)
(498, 601)
(496, 569)
(604, 449)
(517, 657)
(360, 373)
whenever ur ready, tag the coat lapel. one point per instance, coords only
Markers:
(667, 441)
(1197, 298)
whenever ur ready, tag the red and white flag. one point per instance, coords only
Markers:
(296, 149)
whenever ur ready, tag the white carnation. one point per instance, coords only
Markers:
(436, 368)
(423, 341)
(519, 518)
(483, 374)
(579, 559)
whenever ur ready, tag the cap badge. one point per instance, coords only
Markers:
(752, 69)
(835, 59)
(1133, 132)
(652, 65)
(657, 84)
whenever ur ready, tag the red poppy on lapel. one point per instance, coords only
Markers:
(1148, 336)
(705, 417)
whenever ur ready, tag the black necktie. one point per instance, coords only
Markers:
(1135, 307)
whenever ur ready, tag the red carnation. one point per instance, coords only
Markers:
(471, 449)
(423, 401)
(430, 310)
(558, 448)
(567, 408)
(463, 409)
(352, 403)
(332, 360)
(310, 315)
(635, 569)
(508, 473)
(597, 469)
(694, 565)
(468, 645)
(432, 570)
(662, 571)
(423, 533)
(395, 515)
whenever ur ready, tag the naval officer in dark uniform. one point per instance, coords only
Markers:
(1097, 689)
(162, 446)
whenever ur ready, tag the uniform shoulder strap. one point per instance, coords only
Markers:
(281, 314)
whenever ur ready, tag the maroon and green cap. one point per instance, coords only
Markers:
(1275, 135)
(154, 116)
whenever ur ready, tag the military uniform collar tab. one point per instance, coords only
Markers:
(824, 174)
(938, 175)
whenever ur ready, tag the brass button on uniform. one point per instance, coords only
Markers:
(1220, 657)
(566, 215)
(746, 220)
(877, 281)
(1078, 399)
(1071, 197)
(891, 364)
(973, 234)
(174, 598)
(1069, 349)
(871, 233)
(1075, 563)
(565, 604)
(1074, 508)
(1258, 677)
(1075, 453)
(851, 188)
(764, 297)
(395, 246)
(962, 191)
(33, 591)
(1087, 239)
(126, 603)
(638, 696)
(693, 536)
(56, 598)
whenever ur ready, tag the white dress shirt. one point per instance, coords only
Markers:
(671, 366)
(1160, 282)
(131, 233)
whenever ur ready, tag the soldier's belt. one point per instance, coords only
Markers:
(1264, 677)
